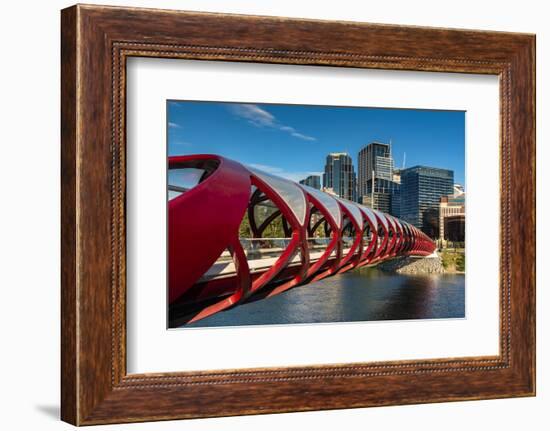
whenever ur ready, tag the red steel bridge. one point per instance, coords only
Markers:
(225, 245)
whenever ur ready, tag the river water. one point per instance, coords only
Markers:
(365, 294)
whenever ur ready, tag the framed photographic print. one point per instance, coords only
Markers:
(265, 215)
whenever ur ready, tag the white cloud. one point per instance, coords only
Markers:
(261, 118)
(287, 129)
(254, 114)
(304, 137)
(280, 172)
(174, 125)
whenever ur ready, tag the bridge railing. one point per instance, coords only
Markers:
(266, 248)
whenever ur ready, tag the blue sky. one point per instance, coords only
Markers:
(293, 140)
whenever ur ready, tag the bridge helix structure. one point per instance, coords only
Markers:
(237, 233)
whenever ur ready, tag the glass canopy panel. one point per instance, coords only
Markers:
(263, 210)
(173, 194)
(370, 216)
(354, 210)
(181, 180)
(328, 202)
(382, 218)
(290, 192)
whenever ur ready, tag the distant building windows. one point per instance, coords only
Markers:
(421, 190)
(376, 186)
(313, 181)
(339, 176)
(452, 214)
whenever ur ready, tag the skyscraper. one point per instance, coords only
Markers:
(376, 186)
(339, 176)
(395, 201)
(312, 181)
(421, 190)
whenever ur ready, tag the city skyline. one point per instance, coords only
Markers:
(267, 133)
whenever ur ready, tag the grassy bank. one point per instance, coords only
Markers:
(453, 260)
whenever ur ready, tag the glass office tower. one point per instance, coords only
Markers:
(375, 185)
(421, 190)
(339, 176)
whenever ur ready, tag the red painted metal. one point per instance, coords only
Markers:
(298, 243)
(374, 238)
(356, 247)
(333, 244)
(204, 221)
(380, 251)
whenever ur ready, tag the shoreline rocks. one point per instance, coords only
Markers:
(414, 265)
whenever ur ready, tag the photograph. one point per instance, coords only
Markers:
(283, 214)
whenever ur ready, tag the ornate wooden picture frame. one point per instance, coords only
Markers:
(96, 42)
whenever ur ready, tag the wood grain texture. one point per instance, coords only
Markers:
(96, 41)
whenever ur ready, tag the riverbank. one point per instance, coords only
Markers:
(444, 262)
(453, 260)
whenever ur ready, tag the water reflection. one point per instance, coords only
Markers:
(366, 294)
